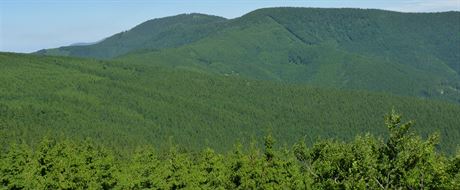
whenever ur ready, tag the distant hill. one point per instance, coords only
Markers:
(414, 54)
(157, 33)
(84, 43)
(125, 104)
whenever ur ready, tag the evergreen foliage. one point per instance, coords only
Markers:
(404, 161)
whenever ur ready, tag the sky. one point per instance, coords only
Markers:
(30, 25)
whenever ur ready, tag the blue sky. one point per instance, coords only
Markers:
(31, 25)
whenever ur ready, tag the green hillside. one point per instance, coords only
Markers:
(157, 33)
(422, 40)
(126, 104)
(400, 53)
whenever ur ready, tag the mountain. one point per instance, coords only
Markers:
(127, 104)
(411, 54)
(157, 33)
(84, 43)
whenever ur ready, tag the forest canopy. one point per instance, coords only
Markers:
(403, 161)
(127, 104)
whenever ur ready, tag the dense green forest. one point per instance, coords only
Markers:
(279, 98)
(412, 54)
(126, 104)
(403, 161)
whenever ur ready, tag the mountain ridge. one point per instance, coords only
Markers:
(412, 54)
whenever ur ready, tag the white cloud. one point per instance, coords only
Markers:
(427, 6)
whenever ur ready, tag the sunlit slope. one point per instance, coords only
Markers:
(125, 104)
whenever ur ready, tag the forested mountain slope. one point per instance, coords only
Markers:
(401, 53)
(124, 104)
(412, 54)
(418, 39)
(156, 33)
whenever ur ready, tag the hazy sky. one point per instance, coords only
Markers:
(31, 25)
